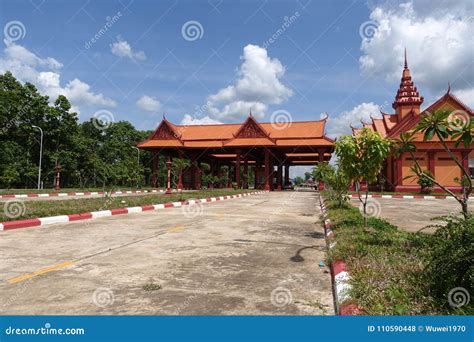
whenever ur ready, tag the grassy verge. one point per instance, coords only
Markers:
(399, 193)
(65, 190)
(387, 266)
(33, 209)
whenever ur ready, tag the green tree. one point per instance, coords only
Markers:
(299, 180)
(442, 125)
(361, 158)
(337, 183)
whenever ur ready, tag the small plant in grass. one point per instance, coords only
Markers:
(361, 158)
(152, 286)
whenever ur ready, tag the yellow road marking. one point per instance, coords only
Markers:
(175, 229)
(40, 272)
(68, 263)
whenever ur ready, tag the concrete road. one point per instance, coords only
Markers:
(249, 256)
(411, 214)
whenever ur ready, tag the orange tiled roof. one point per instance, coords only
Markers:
(390, 125)
(250, 133)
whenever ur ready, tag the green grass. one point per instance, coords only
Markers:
(33, 209)
(386, 265)
(46, 191)
(399, 193)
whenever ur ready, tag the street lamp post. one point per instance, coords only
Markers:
(41, 156)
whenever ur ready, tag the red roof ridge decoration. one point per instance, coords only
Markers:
(250, 129)
(166, 131)
(446, 96)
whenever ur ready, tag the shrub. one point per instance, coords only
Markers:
(336, 181)
(450, 261)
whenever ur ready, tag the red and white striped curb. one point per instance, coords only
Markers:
(340, 276)
(86, 193)
(42, 221)
(405, 196)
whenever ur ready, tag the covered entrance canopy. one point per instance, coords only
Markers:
(267, 147)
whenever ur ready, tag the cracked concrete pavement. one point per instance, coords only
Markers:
(256, 255)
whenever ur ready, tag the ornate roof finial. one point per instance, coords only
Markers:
(406, 63)
(164, 116)
(449, 87)
(250, 112)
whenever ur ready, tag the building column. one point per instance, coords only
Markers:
(398, 172)
(389, 171)
(272, 172)
(168, 181)
(180, 172)
(431, 162)
(267, 170)
(279, 177)
(246, 173)
(237, 169)
(287, 174)
(229, 176)
(256, 170)
(154, 164)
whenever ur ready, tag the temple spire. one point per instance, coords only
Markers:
(408, 98)
(406, 63)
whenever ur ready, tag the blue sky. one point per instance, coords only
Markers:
(326, 60)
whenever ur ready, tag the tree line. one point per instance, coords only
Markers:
(89, 155)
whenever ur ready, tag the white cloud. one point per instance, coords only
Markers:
(258, 85)
(340, 124)
(122, 48)
(149, 104)
(206, 120)
(438, 38)
(44, 73)
(466, 96)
